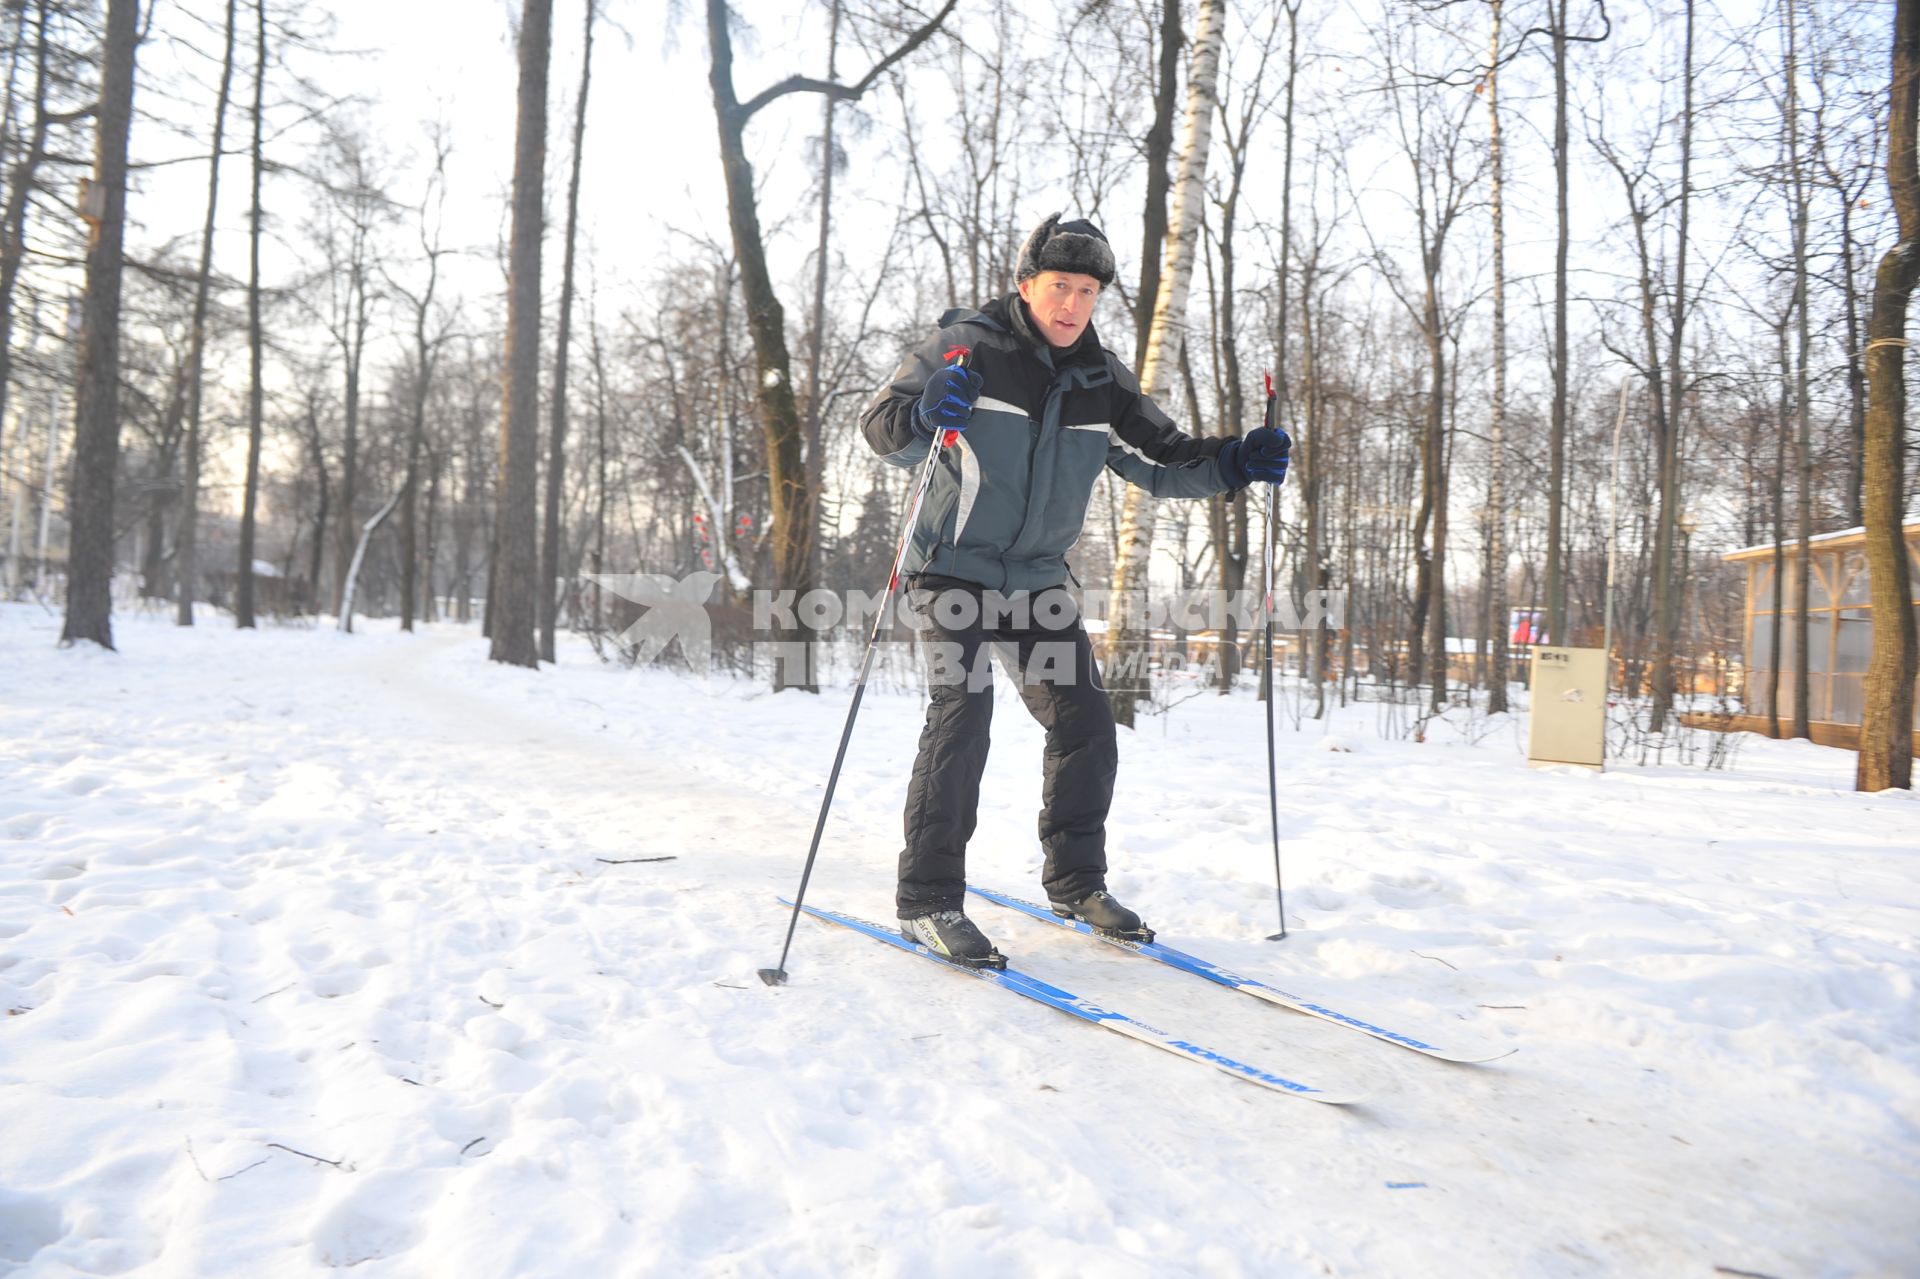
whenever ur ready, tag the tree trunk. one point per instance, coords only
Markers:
(1313, 475)
(1886, 728)
(600, 448)
(372, 526)
(1856, 368)
(1803, 413)
(426, 351)
(314, 556)
(97, 402)
(1496, 570)
(243, 594)
(1159, 144)
(410, 484)
(1557, 428)
(793, 508)
(1776, 496)
(1434, 461)
(1127, 678)
(557, 432)
(816, 452)
(429, 597)
(1283, 324)
(1227, 514)
(187, 537)
(1667, 574)
(513, 603)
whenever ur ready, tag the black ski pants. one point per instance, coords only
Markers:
(1044, 648)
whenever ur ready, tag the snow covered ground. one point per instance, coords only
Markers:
(325, 951)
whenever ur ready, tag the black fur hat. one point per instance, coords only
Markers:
(1076, 246)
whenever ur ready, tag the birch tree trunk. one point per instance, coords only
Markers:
(1127, 678)
(1886, 728)
(513, 598)
(97, 401)
(372, 526)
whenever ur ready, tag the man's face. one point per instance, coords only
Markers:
(1061, 303)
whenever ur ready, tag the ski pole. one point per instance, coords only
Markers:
(942, 440)
(1273, 766)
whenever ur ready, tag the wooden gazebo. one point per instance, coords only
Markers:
(1839, 634)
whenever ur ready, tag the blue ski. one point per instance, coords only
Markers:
(1234, 981)
(1053, 997)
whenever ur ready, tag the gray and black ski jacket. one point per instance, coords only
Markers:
(1009, 500)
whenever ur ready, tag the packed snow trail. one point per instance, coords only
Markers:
(1012, 979)
(326, 951)
(1180, 960)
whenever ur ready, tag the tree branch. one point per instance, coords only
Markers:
(841, 92)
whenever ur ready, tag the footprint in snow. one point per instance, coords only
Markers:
(381, 1218)
(27, 1224)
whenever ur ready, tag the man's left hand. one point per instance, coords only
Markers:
(1261, 455)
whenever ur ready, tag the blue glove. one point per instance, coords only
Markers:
(1262, 455)
(947, 403)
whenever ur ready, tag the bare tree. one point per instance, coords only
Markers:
(431, 328)
(1445, 168)
(1650, 201)
(351, 210)
(795, 506)
(1560, 37)
(1227, 517)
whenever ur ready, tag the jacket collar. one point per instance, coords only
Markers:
(1011, 313)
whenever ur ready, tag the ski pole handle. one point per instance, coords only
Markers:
(955, 358)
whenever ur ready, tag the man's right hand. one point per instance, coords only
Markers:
(1262, 455)
(947, 402)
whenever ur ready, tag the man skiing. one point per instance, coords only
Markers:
(1041, 407)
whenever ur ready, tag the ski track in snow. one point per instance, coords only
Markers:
(276, 898)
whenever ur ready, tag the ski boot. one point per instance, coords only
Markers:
(953, 937)
(1099, 911)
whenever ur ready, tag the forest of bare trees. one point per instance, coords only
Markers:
(295, 350)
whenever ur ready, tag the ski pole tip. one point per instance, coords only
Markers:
(774, 976)
(1279, 936)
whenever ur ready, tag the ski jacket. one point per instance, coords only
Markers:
(1009, 499)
